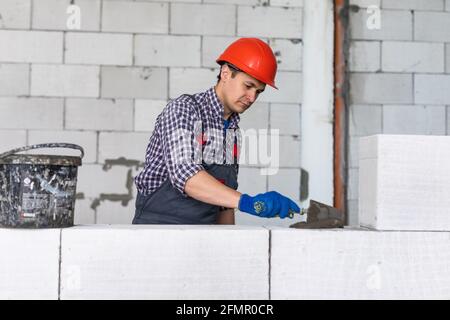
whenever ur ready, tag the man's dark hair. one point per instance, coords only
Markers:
(233, 69)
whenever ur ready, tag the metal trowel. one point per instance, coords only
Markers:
(319, 216)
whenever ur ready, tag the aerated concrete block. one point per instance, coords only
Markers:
(165, 262)
(404, 182)
(29, 267)
(359, 264)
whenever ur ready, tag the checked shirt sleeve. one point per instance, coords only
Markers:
(180, 126)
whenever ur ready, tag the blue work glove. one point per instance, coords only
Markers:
(268, 205)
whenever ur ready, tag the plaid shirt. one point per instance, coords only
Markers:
(183, 115)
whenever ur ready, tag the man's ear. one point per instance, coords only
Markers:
(225, 72)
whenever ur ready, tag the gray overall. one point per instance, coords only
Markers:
(167, 205)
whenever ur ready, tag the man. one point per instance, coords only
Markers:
(175, 187)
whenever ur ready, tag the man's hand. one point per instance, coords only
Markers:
(267, 205)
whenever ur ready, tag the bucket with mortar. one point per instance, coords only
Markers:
(38, 191)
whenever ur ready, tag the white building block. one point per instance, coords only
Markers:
(31, 113)
(381, 88)
(135, 17)
(289, 152)
(429, 5)
(11, 139)
(290, 86)
(99, 114)
(253, 21)
(251, 181)
(30, 264)
(286, 182)
(364, 56)
(212, 48)
(191, 80)
(65, 80)
(414, 119)
(240, 2)
(15, 14)
(255, 118)
(288, 53)
(287, 3)
(159, 50)
(117, 211)
(365, 120)
(146, 112)
(14, 79)
(204, 19)
(192, 262)
(366, 3)
(447, 58)
(402, 56)
(432, 26)
(58, 15)
(129, 82)
(393, 25)
(86, 139)
(404, 182)
(31, 46)
(432, 89)
(286, 118)
(114, 145)
(99, 48)
(108, 180)
(356, 264)
(83, 213)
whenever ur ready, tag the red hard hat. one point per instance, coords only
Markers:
(254, 57)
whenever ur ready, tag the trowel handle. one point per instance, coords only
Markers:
(45, 145)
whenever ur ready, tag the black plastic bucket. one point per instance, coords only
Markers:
(38, 191)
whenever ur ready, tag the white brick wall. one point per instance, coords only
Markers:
(432, 26)
(447, 58)
(114, 145)
(124, 82)
(286, 118)
(31, 46)
(416, 119)
(99, 114)
(253, 21)
(412, 57)
(212, 48)
(364, 56)
(14, 79)
(31, 113)
(381, 88)
(64, 80)
(365, 120)
(437, 5)
(290, 88)
(135, 17)
(288, 53)
(146, 112)
(204, 19)
(256, 117)
(394, 25)
(398, 83)
(159, 50)
(432, 89)
(191, 80)
(105, 49)
(53, 15)
(15, 14)
(11, 139)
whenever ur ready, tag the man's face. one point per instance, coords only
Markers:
(241, 91)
